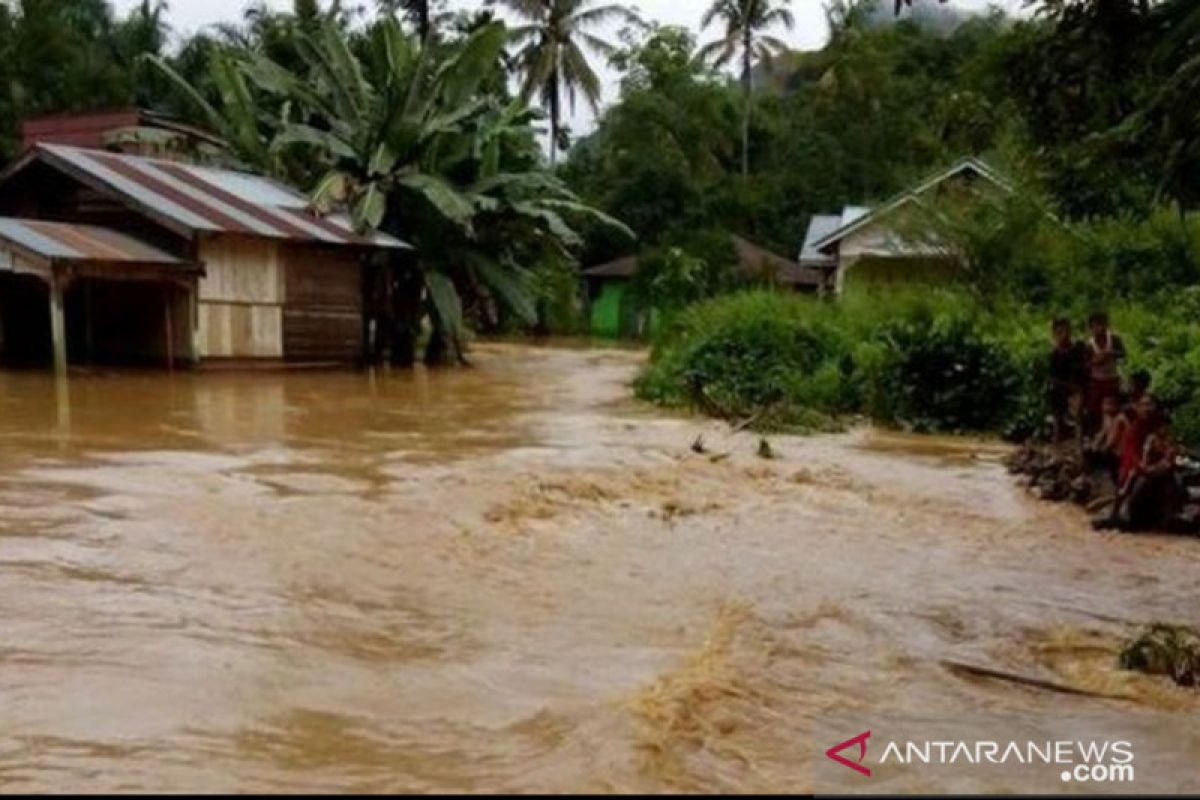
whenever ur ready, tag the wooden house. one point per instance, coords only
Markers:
(107, 256)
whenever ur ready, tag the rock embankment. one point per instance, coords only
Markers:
(1060, 473)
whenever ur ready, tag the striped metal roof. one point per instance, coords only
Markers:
(206, 199)
(70, 242)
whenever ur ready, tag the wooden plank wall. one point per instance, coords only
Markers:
(241, 298)
(323, 315)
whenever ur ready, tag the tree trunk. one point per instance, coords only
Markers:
(748, 94)
(423, 22)
(555, 114)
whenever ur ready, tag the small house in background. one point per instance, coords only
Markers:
(614, 313)
(884, 244)
(107, 256)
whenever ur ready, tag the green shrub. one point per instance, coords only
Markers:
(742, 355)
(922, 359)
(936, 369)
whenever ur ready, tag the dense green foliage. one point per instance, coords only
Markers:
(1094, 104)
(926, 360)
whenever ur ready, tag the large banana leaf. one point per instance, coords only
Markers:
(508, 282)
(461, 76)
(439, 193)
(324, 140)
(575, 208)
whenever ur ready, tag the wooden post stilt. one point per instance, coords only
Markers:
(89, 326)
(58, 325)
(193, 315)
(169, 325)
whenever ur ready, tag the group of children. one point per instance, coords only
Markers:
(1120, 428)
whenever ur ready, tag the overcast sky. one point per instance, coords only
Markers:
(188, 16)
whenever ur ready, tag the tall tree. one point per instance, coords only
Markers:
(554, 41)
(746, 24)
(425, 15)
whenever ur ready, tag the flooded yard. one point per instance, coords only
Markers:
(515, 578)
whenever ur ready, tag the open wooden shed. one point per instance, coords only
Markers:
(236, 266)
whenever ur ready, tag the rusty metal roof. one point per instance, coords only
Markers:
(59, 241)
(198, 199)
(753, 261)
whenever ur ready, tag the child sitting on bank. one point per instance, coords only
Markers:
(1151, 495)
(1104, 449)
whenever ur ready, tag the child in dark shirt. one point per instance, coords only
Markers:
(1068, 378)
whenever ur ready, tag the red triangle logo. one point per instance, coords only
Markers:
(835, 753)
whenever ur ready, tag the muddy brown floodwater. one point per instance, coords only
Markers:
(513, 578)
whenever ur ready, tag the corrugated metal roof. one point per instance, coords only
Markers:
(206, 199)
(621, 268)
(70, 242)
(820, 226)
(752, 258)
(852, 214)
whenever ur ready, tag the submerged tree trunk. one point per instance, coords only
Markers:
(408, 290)
(443, 348)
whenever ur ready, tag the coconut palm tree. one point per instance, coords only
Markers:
(746, 23)
(423, 14)
(553, 42)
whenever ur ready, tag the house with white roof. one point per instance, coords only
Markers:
(886, 243)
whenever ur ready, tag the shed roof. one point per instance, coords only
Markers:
(57, 241)
(625, 267)
(751, 257)
(820, 226)
(90, 129)
(195, 199)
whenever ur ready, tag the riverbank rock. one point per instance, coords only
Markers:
(1058, 472)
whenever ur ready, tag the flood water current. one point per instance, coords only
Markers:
(514, 577)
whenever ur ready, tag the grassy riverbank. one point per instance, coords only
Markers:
(925, 360)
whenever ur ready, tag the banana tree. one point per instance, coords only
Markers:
(414, 139)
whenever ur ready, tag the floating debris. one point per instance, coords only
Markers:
(1168, 650)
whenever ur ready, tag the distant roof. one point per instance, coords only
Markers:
(751, 257)
(195, 199)
(58, 241)
(820, 226)
(857, 217)
(625, 267)
(89, 129)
